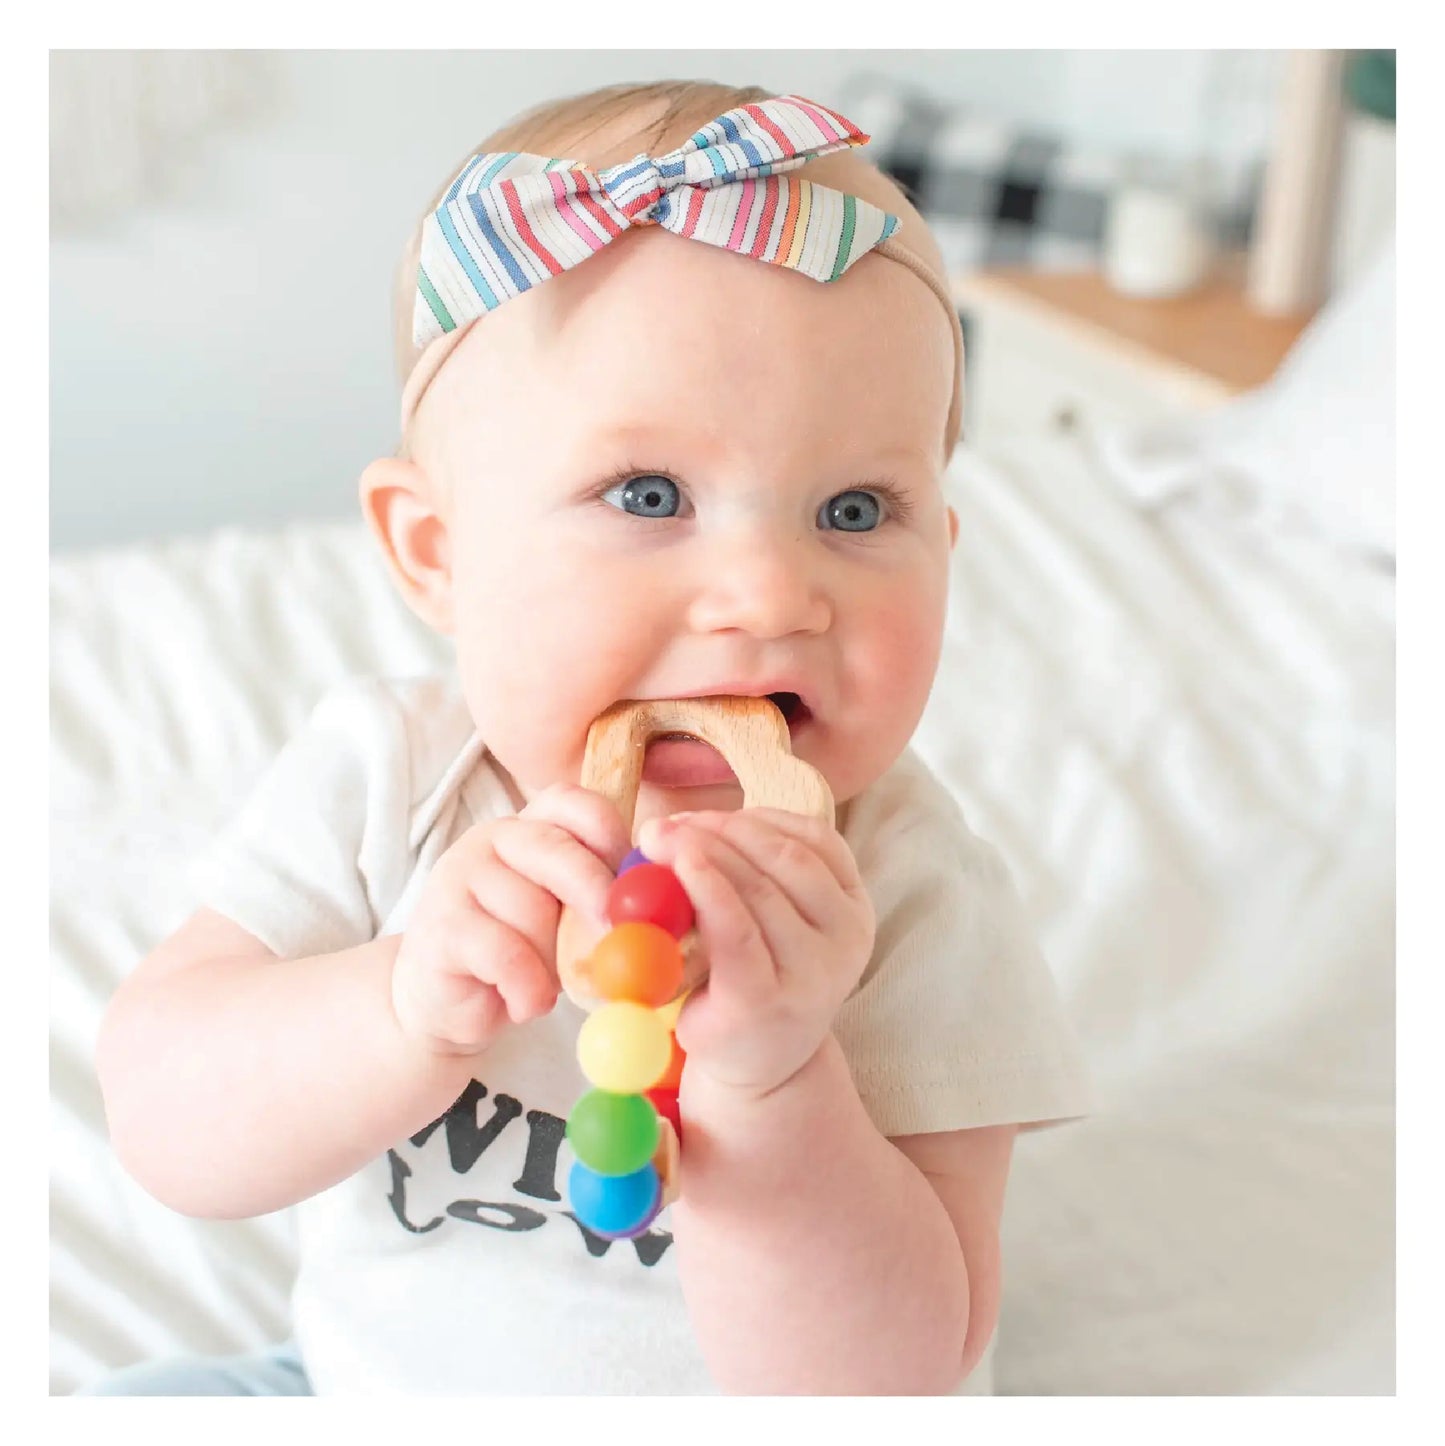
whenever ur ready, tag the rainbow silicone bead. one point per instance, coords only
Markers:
(624, 1047)
(668, 1013)
(614, 1205)
(637, 961)
(613, 1134)
(665, 1104)
(651, 894)
(671, 1077)
(641, 1227)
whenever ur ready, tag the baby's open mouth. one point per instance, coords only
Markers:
(795, 712)
(680, 760)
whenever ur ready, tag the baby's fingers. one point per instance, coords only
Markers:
(591, 819)
(819, 836)
(738, 949)
(792, 866)
(495, 955)
(552, 859)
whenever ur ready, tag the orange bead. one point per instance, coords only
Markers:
(672, 1077)
(637, 962)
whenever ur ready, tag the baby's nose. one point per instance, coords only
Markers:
(764, 586)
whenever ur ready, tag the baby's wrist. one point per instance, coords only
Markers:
(742, 1146)
(709, 1095)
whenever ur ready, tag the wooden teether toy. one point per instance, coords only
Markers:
(752, 737)
(626, 1130)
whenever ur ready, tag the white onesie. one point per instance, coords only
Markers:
(451, 1264)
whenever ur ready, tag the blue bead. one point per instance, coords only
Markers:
(642, 1225)
(632, 860)
(613, 1205)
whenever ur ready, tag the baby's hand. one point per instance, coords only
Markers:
(480, 950)
(788, 928)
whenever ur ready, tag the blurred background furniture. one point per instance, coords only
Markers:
(1059, 349)
(1001, 188)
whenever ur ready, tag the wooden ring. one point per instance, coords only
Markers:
(752, 736)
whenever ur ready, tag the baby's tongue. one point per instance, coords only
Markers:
(683, 763)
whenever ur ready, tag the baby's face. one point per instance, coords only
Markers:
(674, 472)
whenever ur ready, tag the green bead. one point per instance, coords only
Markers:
(613, 1134)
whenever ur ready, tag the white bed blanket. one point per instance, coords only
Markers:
(1180, 733)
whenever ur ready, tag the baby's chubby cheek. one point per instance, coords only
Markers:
(889, 646)
(545, 641)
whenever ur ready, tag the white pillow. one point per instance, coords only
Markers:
(1314, 446)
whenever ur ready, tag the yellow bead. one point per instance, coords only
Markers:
(624, 1048)
(669, 1012)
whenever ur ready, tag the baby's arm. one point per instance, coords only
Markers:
(238, 1083)
(819, 1258)
(816, 1256)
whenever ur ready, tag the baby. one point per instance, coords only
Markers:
(671, 430)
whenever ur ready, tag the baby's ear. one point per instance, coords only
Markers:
(399, 504)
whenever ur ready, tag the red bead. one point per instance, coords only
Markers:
(672, 1076)
(665, 1103)
(650, 894)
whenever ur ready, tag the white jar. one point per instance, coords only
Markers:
(1156, 241)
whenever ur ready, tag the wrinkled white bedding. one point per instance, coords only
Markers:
(1178, 729)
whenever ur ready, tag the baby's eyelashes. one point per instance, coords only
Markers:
(648, 495)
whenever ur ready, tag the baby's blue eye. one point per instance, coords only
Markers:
(646, 496)
(850, 512)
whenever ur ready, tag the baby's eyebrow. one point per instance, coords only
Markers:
(909, 454)
(641, 436)
(694, 441)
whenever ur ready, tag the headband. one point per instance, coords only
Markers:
(510, 220)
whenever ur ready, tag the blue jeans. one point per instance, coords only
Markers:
(274, 1372)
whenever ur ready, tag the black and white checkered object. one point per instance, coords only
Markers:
(995, 193)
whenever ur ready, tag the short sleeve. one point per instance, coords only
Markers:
(957, 1022)
(308, 862)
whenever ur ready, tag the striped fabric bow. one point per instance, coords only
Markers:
(510, 219)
